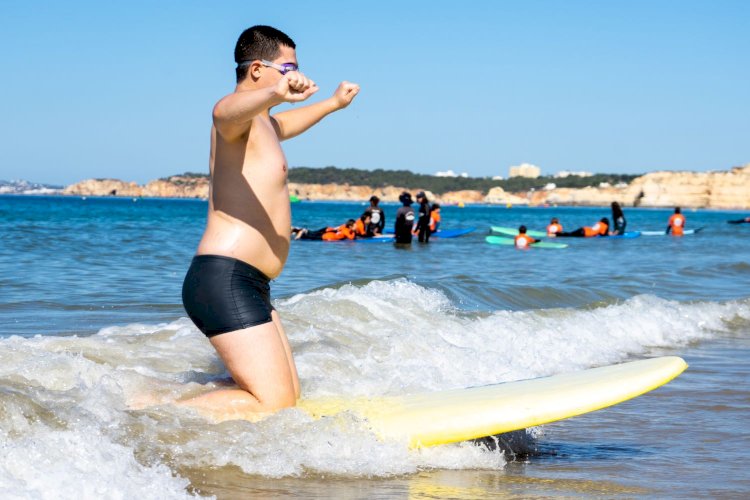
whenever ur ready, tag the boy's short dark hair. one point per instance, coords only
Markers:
(258, 42)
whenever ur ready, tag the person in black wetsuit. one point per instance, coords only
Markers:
(423, 223)
(377, 217)
(618, 220)
(404, 219)
(746, 220)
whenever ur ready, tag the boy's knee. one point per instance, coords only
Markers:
(285, 399)
(273, 399)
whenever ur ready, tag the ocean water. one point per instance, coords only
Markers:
(91, 320)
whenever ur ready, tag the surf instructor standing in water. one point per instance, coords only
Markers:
(226, 291)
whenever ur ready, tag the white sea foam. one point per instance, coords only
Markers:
(65, 399)
(79, 463)
(397, 337)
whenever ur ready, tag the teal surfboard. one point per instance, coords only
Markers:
(512, 231)
(499, 240)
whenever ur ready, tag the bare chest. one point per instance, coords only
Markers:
(263, 153)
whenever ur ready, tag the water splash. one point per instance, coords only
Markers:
(66, 399)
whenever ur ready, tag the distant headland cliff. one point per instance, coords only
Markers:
(720, 189)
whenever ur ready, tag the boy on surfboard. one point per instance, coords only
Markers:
(523, 240)
(226, 291)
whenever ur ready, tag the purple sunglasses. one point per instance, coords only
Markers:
(281, 68)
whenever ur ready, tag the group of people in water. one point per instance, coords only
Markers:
(675, 226)
(426, 221)
(371, 223)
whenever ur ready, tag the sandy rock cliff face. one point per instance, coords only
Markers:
(178, 187)
(731, 189)
(588, 196)
(498, 195)
(456, 197)
(692, 189)
(104, 187)
(728, 189)
(345, 192)
(173, 187)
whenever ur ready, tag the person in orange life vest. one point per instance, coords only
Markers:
(344, 231)
(601, 228)
(676, 223)
(523, 240)
(554, 227)
(362, 226)
(435, 218)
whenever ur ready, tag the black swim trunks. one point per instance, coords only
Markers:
(222, 294)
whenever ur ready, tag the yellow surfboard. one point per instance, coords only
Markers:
(444, 417)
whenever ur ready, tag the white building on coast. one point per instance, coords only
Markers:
(450, 173)
(565, 173)
(525, 170)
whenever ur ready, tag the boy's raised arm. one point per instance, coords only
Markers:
(233, 114)
(295, 121)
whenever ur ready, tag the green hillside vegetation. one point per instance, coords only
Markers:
(438, 185)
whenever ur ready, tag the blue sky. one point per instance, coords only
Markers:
(125, 90)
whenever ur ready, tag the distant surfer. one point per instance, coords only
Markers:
(404, 219)
(377, 216)
(746, 220)
(435, 218)
(601, 228)
(345, 231)
(523, 240)
(676, 224)
(422, 228)
(554, 227)
(245, 245)
(618, 220)
(362, 225)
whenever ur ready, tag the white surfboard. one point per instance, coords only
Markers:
(443, 417)
(664, 233)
